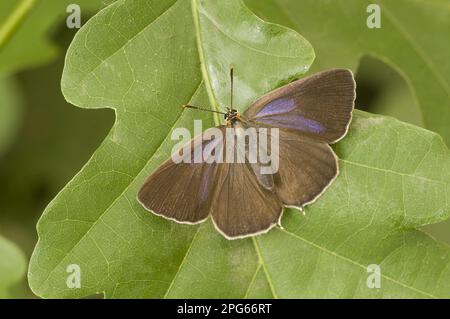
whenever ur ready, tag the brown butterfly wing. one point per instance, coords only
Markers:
(181, 191)
(187, 193)
(243, 206)
(310, 113)
(319, 106)
(306, 169)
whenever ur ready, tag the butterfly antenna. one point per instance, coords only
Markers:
(231, 86)
(201, 109)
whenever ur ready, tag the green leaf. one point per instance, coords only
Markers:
(146, 58)
(12, 266)
(413, 38)
(30, 42)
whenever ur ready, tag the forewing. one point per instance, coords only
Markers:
(319, 106)
(182, 191)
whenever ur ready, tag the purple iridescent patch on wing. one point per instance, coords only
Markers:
(278, 106)
(295, 122)
(205, 185)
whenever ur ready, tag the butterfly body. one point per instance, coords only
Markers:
(245, 197)
(231, 116)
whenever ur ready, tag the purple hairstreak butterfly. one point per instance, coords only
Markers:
(241, 198)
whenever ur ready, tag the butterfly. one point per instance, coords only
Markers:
(309, 114)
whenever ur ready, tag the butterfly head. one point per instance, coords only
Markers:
(231, 116)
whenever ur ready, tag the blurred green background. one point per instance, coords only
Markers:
(44, 141)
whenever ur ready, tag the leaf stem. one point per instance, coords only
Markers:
(209, 90)
(263, 264)
(14, 20)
